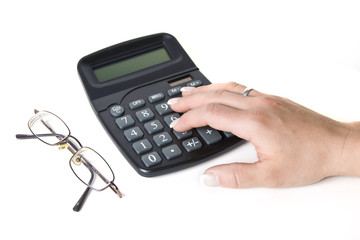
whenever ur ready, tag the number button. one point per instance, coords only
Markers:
(151, 159)
(169, 119)
(183, 135)
(133, 134)
(125, 122)
(116, 110)
(145, 115)
(153, 127)
(142, 146)
(162, 139)
(163, 109)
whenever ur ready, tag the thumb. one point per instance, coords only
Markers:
(234, 175)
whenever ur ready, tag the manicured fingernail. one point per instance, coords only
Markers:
(187, 89)
(173, 101)
(210, 180)
(173, 123)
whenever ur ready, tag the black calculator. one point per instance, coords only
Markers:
(128, 86)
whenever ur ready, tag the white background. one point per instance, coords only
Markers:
(308, 51)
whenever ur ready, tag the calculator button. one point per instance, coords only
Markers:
(125, 122)
(151, 159)
(137, 104)
(194, 83)
(182, 135)
(153, 127)
(116, 110)
(162, 139)
(142, 146)
(145, 115)
(174, 91)
(229, 134)
(169, 119)
(156, 97)
(133, 134)
(209, 135)
(192, 144)
(163, 109)
(172, 152)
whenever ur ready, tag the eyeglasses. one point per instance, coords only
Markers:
(89, 166)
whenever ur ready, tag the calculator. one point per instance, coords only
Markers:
(128, 86)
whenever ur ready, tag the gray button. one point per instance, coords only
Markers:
(133, 134)
(169, 119)
(142, 146)
(125, 122)
(156, 97)
(229, 134)
(174, 91)
(162, 139)
(194, 83)
(116, 110)
(183, 135)
(145, 115)
(192, 144)
(163, 109)
(171, 152)
(151, 159)
(153, 127)
(209, 135)
(137, 104)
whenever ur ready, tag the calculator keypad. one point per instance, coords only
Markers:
(145, 125)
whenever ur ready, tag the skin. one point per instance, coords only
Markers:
(295, 145)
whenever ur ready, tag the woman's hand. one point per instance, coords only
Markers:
(295, 146)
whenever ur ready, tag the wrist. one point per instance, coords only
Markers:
(348, 164)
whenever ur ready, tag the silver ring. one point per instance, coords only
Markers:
(246, 91)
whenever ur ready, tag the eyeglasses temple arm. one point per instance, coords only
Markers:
(86, 193)
(30, 136)
(79, 204)
(116, 190)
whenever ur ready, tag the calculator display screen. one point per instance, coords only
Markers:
(132, 64)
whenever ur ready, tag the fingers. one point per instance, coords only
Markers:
(219, 96)
(217, 116)
(221, 106)
(234, 175)
(230, 87)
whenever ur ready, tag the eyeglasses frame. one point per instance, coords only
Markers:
(65, 142)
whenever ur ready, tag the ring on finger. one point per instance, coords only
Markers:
(246, 91)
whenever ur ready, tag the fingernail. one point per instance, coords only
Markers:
(210, 180)
(187, 89)
(173, 123)
(173, 101)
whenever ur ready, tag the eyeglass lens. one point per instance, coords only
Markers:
(91, 169)
(48, 128)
